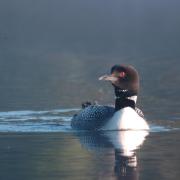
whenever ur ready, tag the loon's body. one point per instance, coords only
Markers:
(92, 117)
(98, 117)
(125, 115)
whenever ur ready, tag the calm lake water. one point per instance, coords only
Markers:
(42, 145)
(51, 55)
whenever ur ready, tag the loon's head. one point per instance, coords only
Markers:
(125, 80)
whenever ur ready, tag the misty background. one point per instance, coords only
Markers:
(52, 52)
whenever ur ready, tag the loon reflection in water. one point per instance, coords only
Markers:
(124, 143)
(125, 115)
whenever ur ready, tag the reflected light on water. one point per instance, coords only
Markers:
(124, 144)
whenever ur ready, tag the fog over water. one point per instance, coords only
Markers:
(52, 52)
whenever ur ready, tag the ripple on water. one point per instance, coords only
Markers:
(56, 120)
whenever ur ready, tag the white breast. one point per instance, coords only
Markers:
(126, 119)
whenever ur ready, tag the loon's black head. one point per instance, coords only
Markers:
(125, 80)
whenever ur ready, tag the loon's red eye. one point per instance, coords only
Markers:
(122, 74)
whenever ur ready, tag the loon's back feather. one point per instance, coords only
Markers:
(92, 117)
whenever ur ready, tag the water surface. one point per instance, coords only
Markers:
(42, 145)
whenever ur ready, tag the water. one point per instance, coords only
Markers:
(36, 121)
(51, 55)
(42, 145)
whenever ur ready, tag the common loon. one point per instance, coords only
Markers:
(125, 115)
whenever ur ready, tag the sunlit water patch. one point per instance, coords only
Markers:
(157, 128)
(57, 120)
(164, 125)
